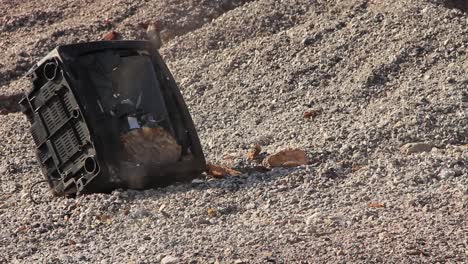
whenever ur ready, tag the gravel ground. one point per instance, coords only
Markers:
(388, 179)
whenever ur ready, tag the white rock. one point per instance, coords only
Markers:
(446, 173)
(170, 260)
(314, 218)
(250, 206)
(417, 147)
(198, 181)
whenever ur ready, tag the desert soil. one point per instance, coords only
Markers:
(379, 74)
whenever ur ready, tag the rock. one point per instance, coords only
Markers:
(198, 181)
(139, 213)
(314, 218)
(418, 147)
(203, 221)
(250, 206)
(309, 40)
(170, 260)
(159, 257)
(446, 173)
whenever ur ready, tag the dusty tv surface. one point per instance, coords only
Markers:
(107, 115)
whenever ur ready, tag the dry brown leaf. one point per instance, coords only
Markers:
(212, 212)
(111, 35)
(287, 158)
(312, 114)
(254, 152)
(221, 171)
(356, 168)
(376, 205)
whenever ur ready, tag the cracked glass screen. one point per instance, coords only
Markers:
(127, 87)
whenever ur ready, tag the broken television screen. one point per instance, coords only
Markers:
(105, 118)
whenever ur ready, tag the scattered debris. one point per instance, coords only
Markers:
(376, 205)
(254, 152)
(287, 158)
(221, 171)
(113, 35)
(418, 147)
(312, 114)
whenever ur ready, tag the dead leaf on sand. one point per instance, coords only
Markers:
(311, 114)
(221, 171)
(376, 205)
(287, 158)
(212, 212)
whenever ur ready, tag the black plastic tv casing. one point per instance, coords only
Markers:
(76, 143)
